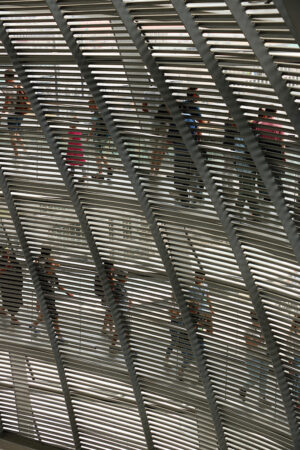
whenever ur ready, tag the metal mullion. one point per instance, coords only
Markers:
(289, 10)
(91, 83)
(86, 231)
(192, 148)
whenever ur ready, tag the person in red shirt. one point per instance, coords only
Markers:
(75, 155)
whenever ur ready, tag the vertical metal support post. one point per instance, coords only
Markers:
(290, 11)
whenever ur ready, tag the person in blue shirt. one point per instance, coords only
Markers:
(186, 179)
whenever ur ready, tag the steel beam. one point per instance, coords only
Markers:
(204, 172)
(290, 12)
(92, 85)
(41, 298)
(67, 178)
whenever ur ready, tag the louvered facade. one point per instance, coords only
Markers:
(149, 223)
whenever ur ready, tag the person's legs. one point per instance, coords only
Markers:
(186, 351)
(263, 374)
(14, 125)
(107, 322)
(241, 190)
(156, 159)
(182, 175)
(100, 160)
(252, 195)
(252, 379)
(174, 342)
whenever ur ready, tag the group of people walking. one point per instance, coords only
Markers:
(189, 187)
(199, 306)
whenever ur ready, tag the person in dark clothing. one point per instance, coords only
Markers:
(99, 136)
(11, 284)
(49, 281)
(124, 303)
(99, 291)
(185, 172)
(270, 136)
(162, 122)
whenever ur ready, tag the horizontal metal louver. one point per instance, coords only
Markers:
(149, 224)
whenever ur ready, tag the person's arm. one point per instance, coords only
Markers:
(61, 288)
(253, 341)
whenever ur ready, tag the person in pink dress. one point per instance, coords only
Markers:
(75, 154)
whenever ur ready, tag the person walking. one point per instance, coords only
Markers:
(201, 313)
(256, 362)
(75, 155)
(124, 303)
(99, 136)
(99, 291)
(185, 174)
(46, 266)
(16, 105)
(161, 126)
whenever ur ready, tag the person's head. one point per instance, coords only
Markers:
(45, 252)
(192, 93)
(269, 112)
(9, 76)
(199, 275)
